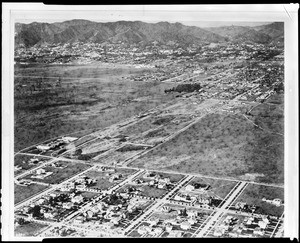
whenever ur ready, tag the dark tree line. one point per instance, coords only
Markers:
(184, 88)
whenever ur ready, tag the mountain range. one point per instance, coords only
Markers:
(141, 32)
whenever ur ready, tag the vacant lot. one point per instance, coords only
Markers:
(102, 178)
(60, 174)
(23, 162)
(253, 194)
(87, 97)
(218, 188)
(29, 229)
(24, 192)
(224, 145)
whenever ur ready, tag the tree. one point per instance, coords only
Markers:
(21, 221)
(36, 211)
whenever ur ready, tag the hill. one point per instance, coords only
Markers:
(263, 34)
(124, 31)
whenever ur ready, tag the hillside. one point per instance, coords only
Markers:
(263, 34)
(242, 34)
(125, 31)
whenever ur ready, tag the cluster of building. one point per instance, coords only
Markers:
(31, 162)
(53, 207)
(55, 144)
(112, 213)
(180, 221)
(248, 227)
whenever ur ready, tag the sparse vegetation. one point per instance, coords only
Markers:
(224, 145)
(60, 174)
(29, 229)
(46, 113)
(24, 192)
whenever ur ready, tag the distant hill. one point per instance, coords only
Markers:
(141, 32)
(274, 30)
(125, 31)
(263, 34)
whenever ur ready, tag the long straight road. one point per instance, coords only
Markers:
(156, 205)
(221, 210)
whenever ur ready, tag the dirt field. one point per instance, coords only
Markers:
(24, 192)
(224, 145)
(254, 194)
(91, 96)
(29, 229)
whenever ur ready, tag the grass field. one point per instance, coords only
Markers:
(23, 161)
(29, 229)
(60, 174)
(219, 188)
(23, 192)
(147, 191)
(80, 103)
(102, 178)
(253, 194)
(225, 145)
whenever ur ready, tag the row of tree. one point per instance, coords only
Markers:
(184, 88)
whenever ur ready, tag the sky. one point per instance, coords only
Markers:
(191, 15)
(201, 24)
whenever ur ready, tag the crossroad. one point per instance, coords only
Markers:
(220, 211)
(156, 205)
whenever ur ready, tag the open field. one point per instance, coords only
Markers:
(80, 103)
(102, 177)
(23, 192)
(253, 194)
(24, 162)
(121, 154)
(218, 188)
(59, 174)
(152, 191)
(29, 229)
(225, 145)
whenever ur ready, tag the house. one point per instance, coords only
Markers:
(233, 234)
(192, 220)
(161, 185)
(185, 225)
(43, 148)
(77, 199)
(262, 224)
(218, 232)
(40, 171)
(80, 180)
(165, 180)
(157, 231)
(79, 220)
(81, 187)
(67, 205)
(68, 139)
(192, 213)
(153, 221)
(115, 220)
(142, 230)
(176, 234)
(114, 177)
(151, 183)
(189, 188)
(258, 231)
(276, 202)
(17, 168)
(41, 201)
(169, 227)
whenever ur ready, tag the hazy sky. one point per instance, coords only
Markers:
(192, 15)
(188, 23)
